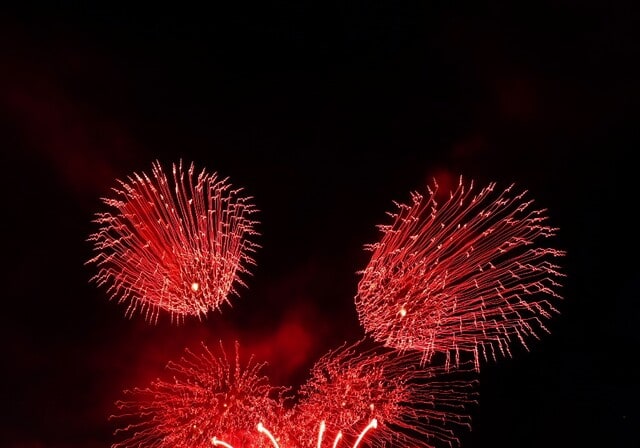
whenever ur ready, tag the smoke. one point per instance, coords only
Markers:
(49, 95)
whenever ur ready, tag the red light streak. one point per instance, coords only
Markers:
(261, 429)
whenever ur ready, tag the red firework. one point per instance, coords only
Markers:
(467, 276)
(176, 245)
(208, 399)
(355, 394)
(401, 402)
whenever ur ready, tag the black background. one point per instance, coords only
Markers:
(325, 112)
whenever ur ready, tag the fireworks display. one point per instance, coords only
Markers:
(208, 397)
(176, 244)
(467, 276)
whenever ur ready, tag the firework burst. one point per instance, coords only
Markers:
(175, 244)
(209, 398)
(467, 276)
(362, 393)
(367, 386)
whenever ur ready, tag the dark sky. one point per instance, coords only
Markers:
(325, 113)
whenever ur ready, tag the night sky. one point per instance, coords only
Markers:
(325, 113)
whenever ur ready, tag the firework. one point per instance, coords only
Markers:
(178, 245)
(209, 398)
(468, 276)
(365, 387)
(354, 395)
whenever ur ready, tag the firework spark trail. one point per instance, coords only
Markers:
(177, 246)
(373, 424)
(208, 397)
(411, 404)
(321, 429)
(465, 277)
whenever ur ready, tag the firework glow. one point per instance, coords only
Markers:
(468, 276)
(176, 244)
